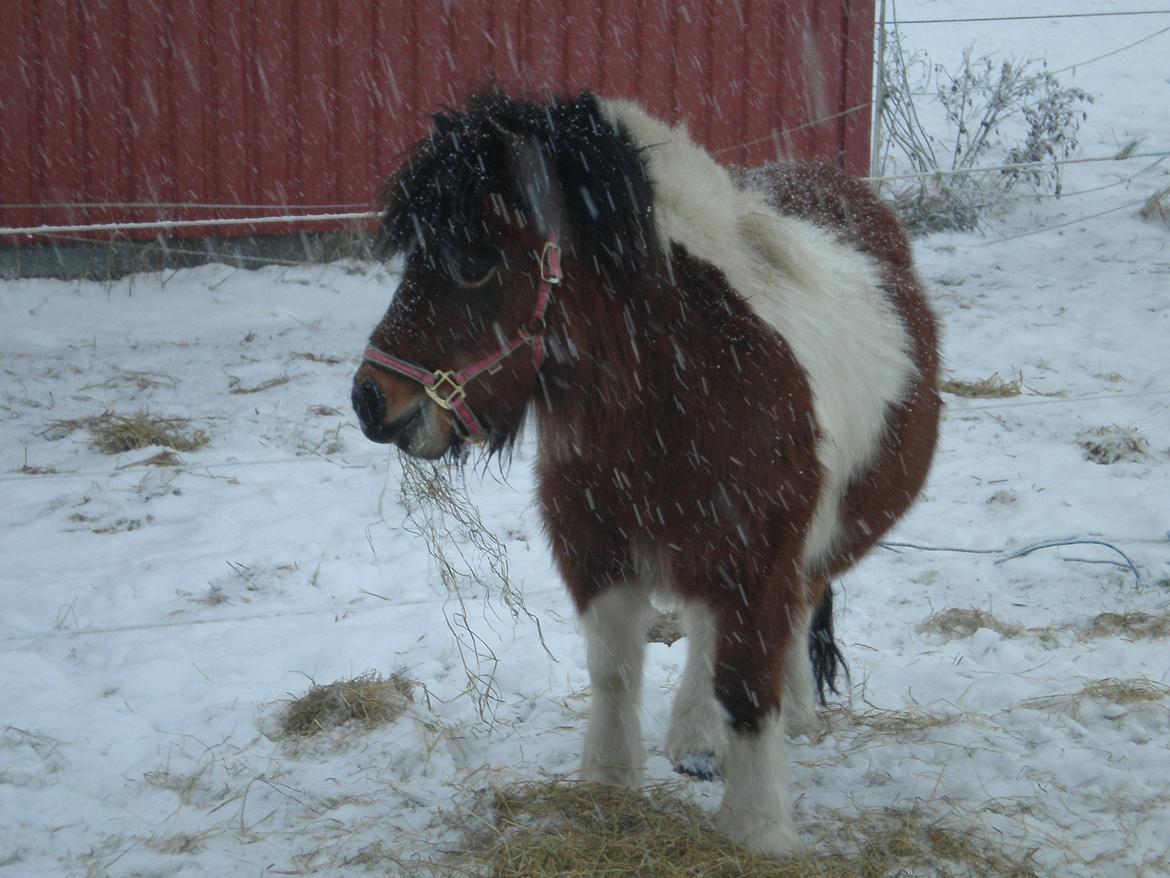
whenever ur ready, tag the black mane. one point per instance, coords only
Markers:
(473, 155)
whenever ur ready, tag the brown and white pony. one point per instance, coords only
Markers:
(733, 384)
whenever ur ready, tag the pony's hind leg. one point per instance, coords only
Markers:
(615, 623)
(697, 736)
(799, 713)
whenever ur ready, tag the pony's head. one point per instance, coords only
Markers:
(480, 213)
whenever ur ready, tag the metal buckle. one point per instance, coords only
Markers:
(433, 390)
(551, 275)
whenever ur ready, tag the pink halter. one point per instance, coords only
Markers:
(447, 389)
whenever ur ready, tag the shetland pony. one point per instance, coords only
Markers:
(733, 382)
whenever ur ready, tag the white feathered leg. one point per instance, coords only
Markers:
(615, 624)
(756, 811)
(697, 735)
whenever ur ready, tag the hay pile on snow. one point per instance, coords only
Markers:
(578, 830)
(1113, 444)
(116, 434)
(370, 700)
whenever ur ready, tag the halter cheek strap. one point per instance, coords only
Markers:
(448, 389)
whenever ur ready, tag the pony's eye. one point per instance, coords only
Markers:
(471, 267)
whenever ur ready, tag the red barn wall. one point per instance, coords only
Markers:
(113, 108)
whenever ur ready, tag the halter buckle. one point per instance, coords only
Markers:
(444, 399)
(550, 263)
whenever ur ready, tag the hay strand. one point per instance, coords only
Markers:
(469, 558)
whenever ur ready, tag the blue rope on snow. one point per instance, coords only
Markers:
(1026, 550)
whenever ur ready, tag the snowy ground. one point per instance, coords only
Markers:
(154, 619)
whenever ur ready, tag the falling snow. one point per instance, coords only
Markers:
(153, 619)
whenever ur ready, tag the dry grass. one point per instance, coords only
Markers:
(983, 388)
(124, 525)
(875, 722)
(317, 358)
(115, 434)
(1131, 626)
(26, 470)
(1109, 445)
(470, 558)
(578, 830)
(141, 380)
(1112, 690)
(1157, 207)
(234, 385)
(370, 700)
(957, 622)
(666, 628)
(1139, 691)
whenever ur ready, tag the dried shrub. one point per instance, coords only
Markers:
(369, 700)
(997, 113)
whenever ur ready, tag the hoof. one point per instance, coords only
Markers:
(766, 836)
(612, 776)
(701, 766)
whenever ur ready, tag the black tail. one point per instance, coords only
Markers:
(827, 659)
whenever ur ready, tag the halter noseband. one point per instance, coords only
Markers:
(447, 389)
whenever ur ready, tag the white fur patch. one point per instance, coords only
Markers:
(615, 636)
(821, 296)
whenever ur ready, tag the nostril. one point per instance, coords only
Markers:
(370, 403)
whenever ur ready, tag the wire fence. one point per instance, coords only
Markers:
(64, 231)
(1056, 16)
(357, 214)
(214, 222)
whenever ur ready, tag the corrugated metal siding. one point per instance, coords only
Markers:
(307, 102)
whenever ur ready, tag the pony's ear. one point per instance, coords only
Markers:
(538, 184)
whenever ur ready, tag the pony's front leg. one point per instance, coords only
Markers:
(750, 653)
(616, 622)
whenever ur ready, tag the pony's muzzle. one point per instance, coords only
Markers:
(370, 405)
(413, 428)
